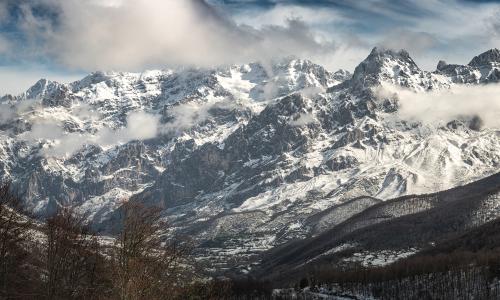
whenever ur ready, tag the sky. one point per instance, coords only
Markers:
(65, 39)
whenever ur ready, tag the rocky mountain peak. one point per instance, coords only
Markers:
(486, 58)
(381, 54)
(384, 65)
(342, 75)
(441, 65)
(41, 88)
(92, 78)
(292, 64)
(483, 68)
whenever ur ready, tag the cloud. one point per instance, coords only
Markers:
(140, 126)
(427, 29)
(462, 26)
(184, 116)
(312, 91)
(280, 14)
(7, 113)
(441, 107)
(60, 143)
(341, 46)
(10, 111)
(418, 42)
(137, 34)
(304, 119)
(133, 35)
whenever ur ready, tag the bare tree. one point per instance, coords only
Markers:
(74, 262)
(146, 266)
(14, 230)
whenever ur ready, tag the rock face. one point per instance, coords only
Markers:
(484, 68)
(241, 158)
(487, 59)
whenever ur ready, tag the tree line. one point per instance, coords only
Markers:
(456, 275)
(62, 258)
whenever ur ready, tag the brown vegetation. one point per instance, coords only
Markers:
(63, 259)
(74, 262)
(144, 265)
(15, 268)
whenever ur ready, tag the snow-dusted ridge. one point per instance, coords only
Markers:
(242, 157)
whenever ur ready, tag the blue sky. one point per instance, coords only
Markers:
(65, 39)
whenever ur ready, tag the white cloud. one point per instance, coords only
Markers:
(138, 34)
(303, 119)
(140, 126)
(428, 29)
(7, 113)
(132, 35)
(187, 115)
(312, 91)
(60, 143)
(280, 14)
(441, 107)
(327, 26)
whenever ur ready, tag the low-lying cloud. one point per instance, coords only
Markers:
(58, 140)
(7, 113)
(61, 143)
(139, 125)
(184, 116)
(304, 119)
(438, 107)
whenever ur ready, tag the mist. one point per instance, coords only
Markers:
(303, 119)
(60, 143)
(438, 107)
(184, 116)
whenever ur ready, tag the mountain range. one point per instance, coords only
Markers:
(248, 158)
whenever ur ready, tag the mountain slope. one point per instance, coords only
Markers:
(280, 170)
(403, 224)
(242, 158)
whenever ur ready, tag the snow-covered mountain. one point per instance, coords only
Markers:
(390, 230)
(243, 158)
